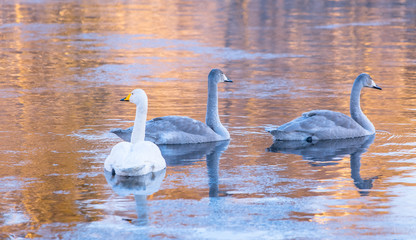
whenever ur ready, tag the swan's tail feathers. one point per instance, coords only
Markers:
(124, 134)
(116, 131)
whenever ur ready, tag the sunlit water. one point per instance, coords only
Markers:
(64, 66)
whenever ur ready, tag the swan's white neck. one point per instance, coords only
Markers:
(355, 108)
(139, 125)
(212, 118)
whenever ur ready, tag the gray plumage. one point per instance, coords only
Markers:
(185, 130)
(178, 129)
(326, 124)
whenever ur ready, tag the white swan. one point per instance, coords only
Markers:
(185, 130)
(137, 157)
(325, 124)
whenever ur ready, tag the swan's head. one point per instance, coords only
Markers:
(216, 76)
(138, 97)
(367, 81)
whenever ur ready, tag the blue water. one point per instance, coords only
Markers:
(65, 65)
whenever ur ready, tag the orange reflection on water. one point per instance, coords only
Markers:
(66, 65)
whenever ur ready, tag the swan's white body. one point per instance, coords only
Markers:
(185, 130)
(325, 124)
(138, 157)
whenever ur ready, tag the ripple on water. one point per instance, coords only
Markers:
(13, 217)
(360, 24)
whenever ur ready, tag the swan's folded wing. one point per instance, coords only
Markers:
(176, 129)
(324, 124)
(117, 154)
(318, 119)
(178, 124)
(142, 157)
(331, 119)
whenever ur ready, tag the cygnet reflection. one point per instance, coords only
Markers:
(213, 166)
(187, 154)
(328, 152)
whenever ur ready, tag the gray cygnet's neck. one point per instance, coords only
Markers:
(212, 118)
(355, 108)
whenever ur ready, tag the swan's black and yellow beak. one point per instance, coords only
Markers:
(225, 78)
(126, 98)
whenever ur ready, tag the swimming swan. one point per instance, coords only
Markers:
(185, 130)
(325, 124)
(137, 157)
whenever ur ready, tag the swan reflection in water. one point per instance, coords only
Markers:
(140, 187)
(327, 152)
(187, 154)
(175, 155)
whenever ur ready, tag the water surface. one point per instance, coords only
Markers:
(64, 66)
